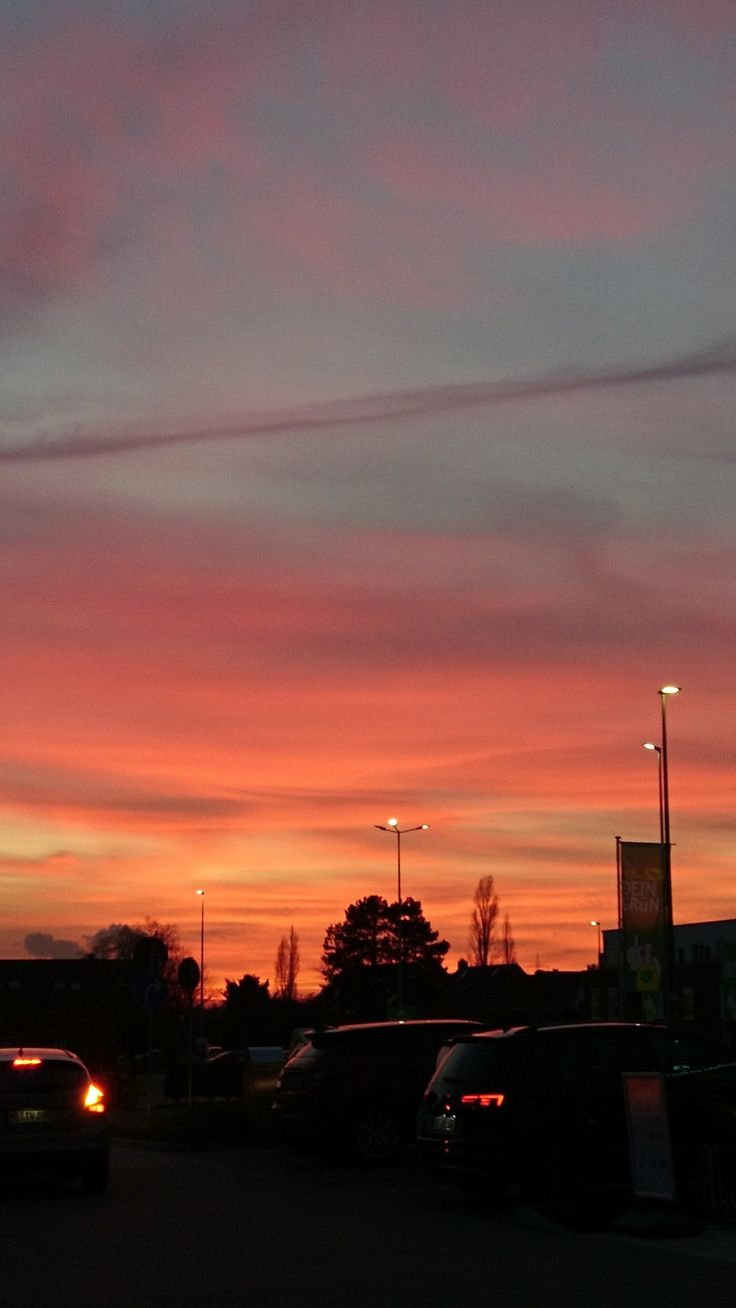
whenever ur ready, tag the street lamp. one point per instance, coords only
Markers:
(664, 694)
(658, 750)
(594, 922)
(392, 826)
(201, 957)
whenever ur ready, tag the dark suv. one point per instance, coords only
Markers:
(545, 1107)
(355, 1089)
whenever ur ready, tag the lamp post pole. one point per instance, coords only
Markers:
(201, 961)
(393, 826)
(594, 922)
(664, 693)
(657, 749)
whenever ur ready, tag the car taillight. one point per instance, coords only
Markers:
(26, 1062)
(94, 1100)
(482, 1101)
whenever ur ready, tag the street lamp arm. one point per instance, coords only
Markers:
(402, 831)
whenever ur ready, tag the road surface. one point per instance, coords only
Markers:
(263, 1227)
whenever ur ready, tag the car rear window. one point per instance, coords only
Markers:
(384, 1042)
(488, 1062)
(50, 1076)
(580, 1057)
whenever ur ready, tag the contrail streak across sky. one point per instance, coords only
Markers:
(719, 358)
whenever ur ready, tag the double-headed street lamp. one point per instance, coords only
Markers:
(393, 826)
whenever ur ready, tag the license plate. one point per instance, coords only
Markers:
(446, 1124)
(31, 1115)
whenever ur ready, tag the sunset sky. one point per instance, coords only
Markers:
(367, 449)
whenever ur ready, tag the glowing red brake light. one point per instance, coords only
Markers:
(26, 1062)
(94, 1100)
(482, 1101)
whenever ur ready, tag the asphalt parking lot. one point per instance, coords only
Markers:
(269, 1227)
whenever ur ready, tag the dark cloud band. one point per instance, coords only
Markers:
(372, 410)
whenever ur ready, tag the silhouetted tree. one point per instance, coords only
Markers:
(483, 923)
(246, 1013)
(119, 940)
(287, 966)
(375, 933)
(115, 941)
(364, 939)
(361, 956)
(412, 936)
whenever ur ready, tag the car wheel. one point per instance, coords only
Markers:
(376, 1135)
(96, 1175)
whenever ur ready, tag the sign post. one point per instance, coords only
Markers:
(150, 956)
(188, 974)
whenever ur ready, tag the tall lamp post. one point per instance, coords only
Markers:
(664, 694)
(594, 922)
(658, 750)
(201, 959)
(392, 826)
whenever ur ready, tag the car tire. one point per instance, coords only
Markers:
(376, 1135)
(96, 1175)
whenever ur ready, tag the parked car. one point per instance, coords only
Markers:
(219, 1076)
(52, 1116)
(355, 1089)
(222, 1075)
(544, 1108)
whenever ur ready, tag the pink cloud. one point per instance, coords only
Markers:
(509, 65)
(555, 190)
(542, 142)
(381, 53)
(97, 110)
(115, 130)
(353, 247)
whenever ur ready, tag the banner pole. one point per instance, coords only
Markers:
(620, 931)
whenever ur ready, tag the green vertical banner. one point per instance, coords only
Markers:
(643, 924)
